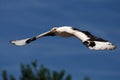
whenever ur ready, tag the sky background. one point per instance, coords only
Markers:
(26, 18)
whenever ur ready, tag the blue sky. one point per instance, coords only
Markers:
(26, 18)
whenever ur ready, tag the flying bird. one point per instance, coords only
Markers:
(89, 40)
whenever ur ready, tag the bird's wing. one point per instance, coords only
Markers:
(93, 42)
(23, 42)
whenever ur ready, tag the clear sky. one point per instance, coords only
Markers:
(26, 18)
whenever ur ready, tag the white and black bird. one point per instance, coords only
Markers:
(89, 40)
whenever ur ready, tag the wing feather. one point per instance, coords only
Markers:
(93, 42)
(23, 42)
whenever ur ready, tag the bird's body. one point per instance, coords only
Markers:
(92, 42)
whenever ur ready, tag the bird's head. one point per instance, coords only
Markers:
(54, 30)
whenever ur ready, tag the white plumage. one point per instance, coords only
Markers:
(92, 42)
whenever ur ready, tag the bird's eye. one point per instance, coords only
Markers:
(54, 28)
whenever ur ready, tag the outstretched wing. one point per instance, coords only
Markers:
(23, 42)
(93, 42)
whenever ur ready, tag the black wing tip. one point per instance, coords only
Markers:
(31, 39)
(11, 42)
